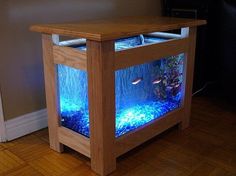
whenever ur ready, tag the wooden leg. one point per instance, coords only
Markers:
(101, 85)
(51, 93)
(188, 74)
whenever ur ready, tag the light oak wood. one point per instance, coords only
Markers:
(188, 74)
(101, 85)
(135, 138)
(74, 140)
(70, 57)
(102, 30)
(148, 53)
(51, 92)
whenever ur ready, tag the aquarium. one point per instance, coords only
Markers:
(143, 93)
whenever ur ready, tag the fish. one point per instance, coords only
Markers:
(137, 80)
(156, 81)
(177, 85)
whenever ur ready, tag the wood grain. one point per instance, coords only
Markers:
(1, 147)
(70, 57)
(74, 140)
(29, 148)
(102, 30)
(51, 92)
(9, 161)
(101, 85)
(55, 164)
(148, 53)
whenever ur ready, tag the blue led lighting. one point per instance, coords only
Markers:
(143, 93)
(126, 119)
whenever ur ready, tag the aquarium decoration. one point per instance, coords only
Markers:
(143, 92)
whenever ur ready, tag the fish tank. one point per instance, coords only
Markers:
(143, 93)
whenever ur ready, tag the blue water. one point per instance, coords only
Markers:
(130, 42)
(143, 93)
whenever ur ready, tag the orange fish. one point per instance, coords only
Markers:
(156, 81)
(177, 85)
(136, 81)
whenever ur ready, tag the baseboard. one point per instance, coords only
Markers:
(2, 132)
(25, 124)
(2, 123)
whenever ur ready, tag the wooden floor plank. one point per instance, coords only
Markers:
(31, 149)
(55, 164)
(24, 171)
(207, 148)
(9, 161)
(2, 147)
(80, 171)
(143, 169)
(43, 135)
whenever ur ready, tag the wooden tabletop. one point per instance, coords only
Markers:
(102, 30)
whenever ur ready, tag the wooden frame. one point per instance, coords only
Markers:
(51, 93)
(189, 61)
(135, 138)
(70, 56)
(68, 138)
(148, 53)
(101, 75)
(101, 61)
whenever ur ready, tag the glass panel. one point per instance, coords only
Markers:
(147, 92)
(73, 93)
(143, 93)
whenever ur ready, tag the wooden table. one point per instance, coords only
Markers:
(100, 61)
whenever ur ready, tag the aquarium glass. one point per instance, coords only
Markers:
(147, 92)
(143, 93)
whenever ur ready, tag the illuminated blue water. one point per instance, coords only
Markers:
(143, 93)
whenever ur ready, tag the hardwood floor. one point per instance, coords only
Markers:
(207, 148)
